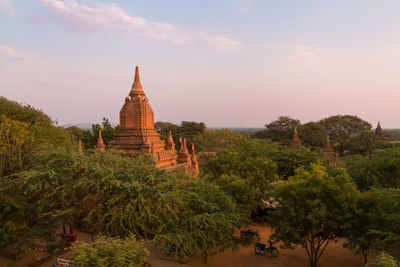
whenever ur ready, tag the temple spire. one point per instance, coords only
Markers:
(170, 142)
(80, 147)
(295, 139)
(100, 144)
(195, 164)
(380, 136)
(137, 88)
(327, 146)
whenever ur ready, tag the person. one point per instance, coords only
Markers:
(270, 243)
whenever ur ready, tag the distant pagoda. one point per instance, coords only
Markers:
(328, 152)
(137, 133)
(295, 139)
(380, 136)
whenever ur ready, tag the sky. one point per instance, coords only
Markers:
(228, 63)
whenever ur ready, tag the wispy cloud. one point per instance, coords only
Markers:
(244, 9)
(10, 53)
(305, 55)
(6, 7)
(99, 17)
(222, 43)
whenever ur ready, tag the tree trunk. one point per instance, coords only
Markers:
(205, 257)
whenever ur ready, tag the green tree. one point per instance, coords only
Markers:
(363, 143)
(374, 225)
(280, 130)
(106, 252)
(381, 169)
(341, 128)
(313, 210)
(383, 260)
(312, 134)
(291, 158)
(188, 130)
(217, 140)
(13, 135)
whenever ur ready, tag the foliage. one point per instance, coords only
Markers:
(313, 209)
(119, 195)
(89, 137)
(383, 260)
(188, 130)
(110, 252)
(247, 161)
(280, 130)
(341, 128)
(217, 140)
(363, 143)
(13, 135)
(312, 134)
(381, 169)
(23, 113)
(375, 224)
(291, 158)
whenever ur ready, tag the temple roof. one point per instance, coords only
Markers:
(379, 132)
(137, 88)
(295, 139)
(327, 146)
(100, 143)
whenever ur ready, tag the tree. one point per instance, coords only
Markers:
(89, 137)
(313, 210)
(381, 169)
(312, 134)
(188, 130)
(383, 260)
(280, 130)
(13, 135)
(106, 252)
(375, 222)
(217, 140)
(291, 158)
(249, 163)
(341, 128)
(363, 143)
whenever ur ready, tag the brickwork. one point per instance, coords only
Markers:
(137, 132)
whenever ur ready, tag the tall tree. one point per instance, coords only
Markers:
(312, 134)
(381, 169)
(313, 210)
(375, 224)
(341, 128)
(280, 130)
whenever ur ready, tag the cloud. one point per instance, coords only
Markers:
(305, 55)
(5, 7)
(11, 53)
(244, 9)
(221, 43)
(92, 16)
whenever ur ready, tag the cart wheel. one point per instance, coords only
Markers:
(274, 252)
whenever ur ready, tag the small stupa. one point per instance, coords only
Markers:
(380, 136)
(295, 139)
(100, 144)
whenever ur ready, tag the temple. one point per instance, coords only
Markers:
(137, 133)
(380, 136)
(295, 139)
(329, 153)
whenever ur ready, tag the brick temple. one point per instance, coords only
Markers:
(137, 133)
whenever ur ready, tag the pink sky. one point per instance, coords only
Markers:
(75, 60)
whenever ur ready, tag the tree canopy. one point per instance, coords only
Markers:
(313, 210)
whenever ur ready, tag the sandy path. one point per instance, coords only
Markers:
(333, 256)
